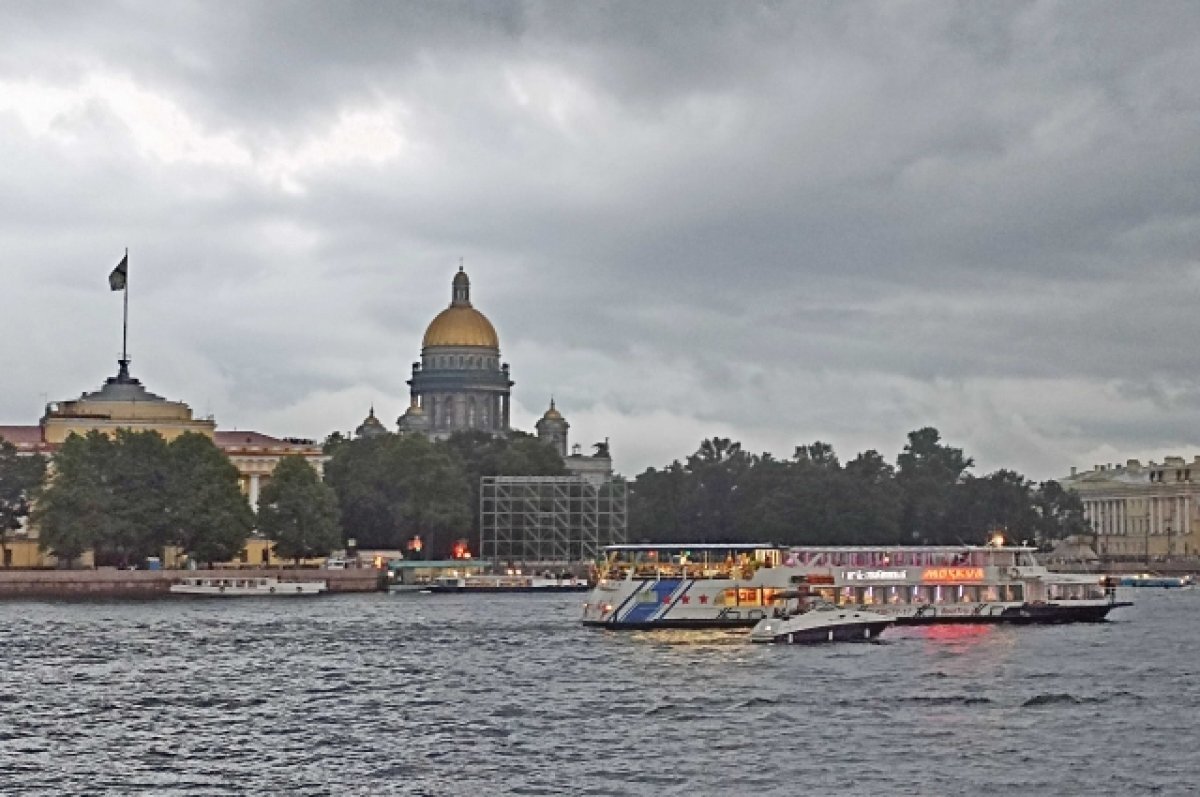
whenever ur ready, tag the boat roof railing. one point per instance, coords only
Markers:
(699, 546)
(722, 546)
(903, 548)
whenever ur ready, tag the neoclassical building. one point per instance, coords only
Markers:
(460, 384)
(1144, 512)
(122, 402)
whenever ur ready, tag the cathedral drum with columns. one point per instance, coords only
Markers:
(460, 383)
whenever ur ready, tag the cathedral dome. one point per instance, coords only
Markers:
(371, 426)
(460, 324)
(552, 414)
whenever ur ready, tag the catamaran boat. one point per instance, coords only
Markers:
(237, 587)
(737, 585)
(805, 619)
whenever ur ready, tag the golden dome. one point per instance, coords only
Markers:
(552, 414)
(461, 325)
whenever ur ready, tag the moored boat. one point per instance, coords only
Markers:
(507, 583)
(729, 585)
(804, 619)
(1163, 582)
(245, 587)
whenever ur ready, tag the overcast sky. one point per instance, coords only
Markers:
(776, 222)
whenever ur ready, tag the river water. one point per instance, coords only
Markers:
(481, 695)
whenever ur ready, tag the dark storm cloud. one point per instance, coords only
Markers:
(777, 221)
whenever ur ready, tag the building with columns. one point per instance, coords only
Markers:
(1142, 512)
(460, 384)
(122, 402)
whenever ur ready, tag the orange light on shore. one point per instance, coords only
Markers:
(951, 575)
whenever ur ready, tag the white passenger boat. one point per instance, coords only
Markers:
(236, 587)
(507, 583)
(730, 585)
(804, 619)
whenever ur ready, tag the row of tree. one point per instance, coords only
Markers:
(129, 496)
(393, 488)
(723, 493)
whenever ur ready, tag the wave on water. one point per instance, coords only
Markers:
(1065, 698)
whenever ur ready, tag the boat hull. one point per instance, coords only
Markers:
(867, 631)
(445, 589)
(675, 624)
(275, 589)
(1025, 614)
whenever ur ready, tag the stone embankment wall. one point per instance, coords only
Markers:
(112, 583)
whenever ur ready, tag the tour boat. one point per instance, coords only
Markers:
(804, 619)
(736, 585)
(243, 587)
(507, 583)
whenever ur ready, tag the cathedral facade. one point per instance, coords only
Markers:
(460, 384)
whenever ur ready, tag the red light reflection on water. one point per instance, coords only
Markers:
(954, 633)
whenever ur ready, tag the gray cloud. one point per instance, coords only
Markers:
(777, 221)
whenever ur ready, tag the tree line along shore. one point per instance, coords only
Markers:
(128, 497)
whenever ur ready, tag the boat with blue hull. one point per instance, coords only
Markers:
(651, 586)
(1161, 582)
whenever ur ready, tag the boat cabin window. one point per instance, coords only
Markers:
(697, 562)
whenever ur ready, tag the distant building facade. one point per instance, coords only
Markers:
(1142, 512)
(122, 402)
(460, 384)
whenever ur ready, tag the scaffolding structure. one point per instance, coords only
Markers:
(532, 521)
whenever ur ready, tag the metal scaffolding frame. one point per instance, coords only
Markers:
(549, 520)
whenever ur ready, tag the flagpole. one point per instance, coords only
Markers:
(125, 320)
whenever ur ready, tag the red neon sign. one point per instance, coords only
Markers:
(952, 574)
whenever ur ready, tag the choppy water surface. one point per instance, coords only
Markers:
(481, 695)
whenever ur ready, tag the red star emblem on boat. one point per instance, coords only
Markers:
(686, 599)
(704, 599)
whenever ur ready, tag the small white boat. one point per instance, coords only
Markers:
(507, 583)
(805, 620)
(245, 587)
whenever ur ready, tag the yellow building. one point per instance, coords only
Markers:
(1142, 512)
(123, 403)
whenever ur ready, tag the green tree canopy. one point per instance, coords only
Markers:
(928, 472)
(298, 511)
(21, 478)
(481, 454)
(108, 494)
(129, 496)
(391, 488)
(76, 509)
(723, 494)
(210, 518)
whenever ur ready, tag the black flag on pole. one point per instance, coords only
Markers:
(116, 280)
